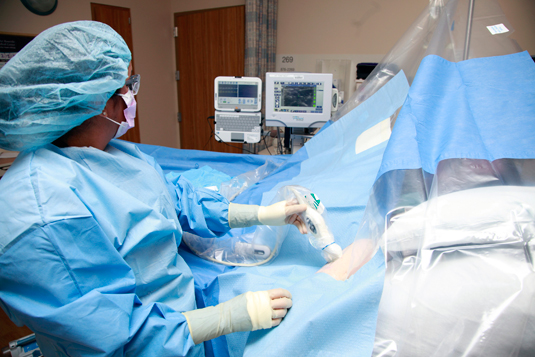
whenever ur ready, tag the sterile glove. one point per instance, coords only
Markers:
(246, 312)
(278, 214)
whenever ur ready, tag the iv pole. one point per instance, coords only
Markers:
(468, 29)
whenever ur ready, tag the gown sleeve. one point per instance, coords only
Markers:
(200, 211)
(69, 285)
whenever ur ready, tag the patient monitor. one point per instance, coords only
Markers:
(298, 100)
(237, 103)
(240, 94)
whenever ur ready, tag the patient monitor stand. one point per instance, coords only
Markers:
(295, 138)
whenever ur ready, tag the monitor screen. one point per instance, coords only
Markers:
(238, 93)
(298, 99)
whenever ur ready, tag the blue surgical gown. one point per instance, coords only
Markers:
(88, 250)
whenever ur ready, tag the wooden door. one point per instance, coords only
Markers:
(210, 43)
(9, 331)
(118, 18)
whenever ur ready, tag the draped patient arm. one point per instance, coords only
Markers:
(353, 258)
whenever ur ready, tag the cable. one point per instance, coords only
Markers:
(265, 143)
(211, 131)
(279, 144)
(215, 135)
(199, 254)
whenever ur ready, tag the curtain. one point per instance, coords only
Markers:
(260, 47)
(260, 37)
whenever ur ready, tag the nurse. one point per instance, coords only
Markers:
(90, 225)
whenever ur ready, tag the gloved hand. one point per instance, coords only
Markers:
(247, 312)
(278, 214)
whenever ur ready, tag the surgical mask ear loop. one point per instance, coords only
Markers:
(123, 126)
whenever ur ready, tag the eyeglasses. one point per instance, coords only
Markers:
(133, 83)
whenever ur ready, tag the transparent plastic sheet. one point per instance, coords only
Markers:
(468, 298)
(441, 30)
(246, 246)
(231, 189)
(460, 277)
(258, 245)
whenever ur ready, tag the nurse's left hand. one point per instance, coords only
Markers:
(246, 312)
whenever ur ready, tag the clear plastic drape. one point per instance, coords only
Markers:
(258, 245)
(249, 246)
(458, 244)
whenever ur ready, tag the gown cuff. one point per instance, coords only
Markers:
(240, 216)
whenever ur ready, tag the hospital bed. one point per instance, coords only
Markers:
(431, 194)
(459, 280)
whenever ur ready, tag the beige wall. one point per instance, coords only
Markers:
(362, 29)
(521, 14)
(365, 30)
(371, 26)
(152, 24)
(344, 26)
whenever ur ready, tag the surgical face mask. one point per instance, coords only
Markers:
(130, 111)
(129, 114)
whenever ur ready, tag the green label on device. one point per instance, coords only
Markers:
(315, 202)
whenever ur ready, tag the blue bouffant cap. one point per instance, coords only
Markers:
(60, 79)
